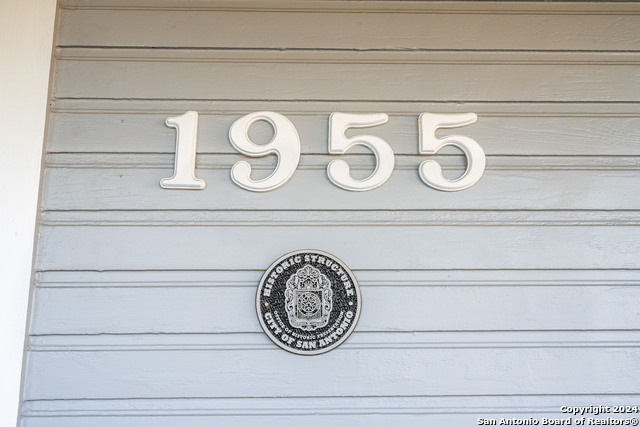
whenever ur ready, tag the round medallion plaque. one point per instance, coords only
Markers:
(308, 302)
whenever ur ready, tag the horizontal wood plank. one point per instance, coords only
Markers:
(227, 218)
(125, 132)
(423, 25)
(279, 80)
(368, 247)
(391, 419)
(309, 107)
(323, 406)
(319, 406)
(343, 56)
(198, 309)
(138, 188)
(144, 374)
(366, 278)
(374, 6)
(321, 411)
(360, 159)
(359, 340)
(346, 420)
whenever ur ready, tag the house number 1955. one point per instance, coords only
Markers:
(286, 145)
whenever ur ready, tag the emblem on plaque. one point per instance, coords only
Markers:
(308, 299)
(308, 302)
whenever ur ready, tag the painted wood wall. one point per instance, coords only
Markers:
(512, 298)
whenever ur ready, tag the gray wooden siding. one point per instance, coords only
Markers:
(508, 299)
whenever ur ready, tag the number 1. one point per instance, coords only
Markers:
(184, 176)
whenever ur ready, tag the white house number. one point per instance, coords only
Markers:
(286, 145)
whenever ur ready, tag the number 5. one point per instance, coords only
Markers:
(338, 170)
(430, 170)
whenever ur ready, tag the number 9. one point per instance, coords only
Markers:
(285, 144)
